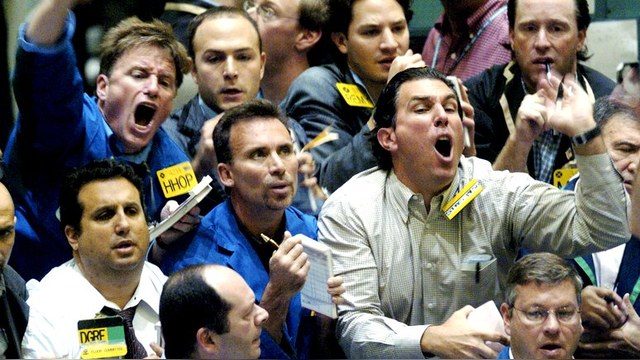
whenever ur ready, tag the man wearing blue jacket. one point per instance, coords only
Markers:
(257, 166)
(61, 127)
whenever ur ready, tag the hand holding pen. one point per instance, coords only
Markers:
(602, 308)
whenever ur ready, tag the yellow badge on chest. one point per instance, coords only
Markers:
(353, 96)
(177, 179)
(462, 199)
(562, 176)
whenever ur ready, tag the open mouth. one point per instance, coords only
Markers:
(231, 91)
(443, 146)
(124, 245)
(551, 347)
(143, 114)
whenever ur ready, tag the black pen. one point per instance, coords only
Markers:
(609, 299)
(477, 272)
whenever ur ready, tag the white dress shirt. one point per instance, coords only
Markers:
(64, 297)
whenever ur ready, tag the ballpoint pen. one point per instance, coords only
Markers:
(548, 67)
(268, 240)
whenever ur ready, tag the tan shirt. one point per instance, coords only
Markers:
(404, 268)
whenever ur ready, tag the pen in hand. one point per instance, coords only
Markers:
(268, 240)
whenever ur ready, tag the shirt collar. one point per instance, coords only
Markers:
(359, 81)
(145, 293)
(403, 198)
(207, 111)
(118, 148)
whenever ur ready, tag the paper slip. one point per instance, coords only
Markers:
(314, 293)
(487, 317)
(195, 196)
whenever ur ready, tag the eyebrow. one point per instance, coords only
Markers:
(431, 98)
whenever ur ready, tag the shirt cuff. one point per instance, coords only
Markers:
(408, 344)
(596, 170)
(65, 38)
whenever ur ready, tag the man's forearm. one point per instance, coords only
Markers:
(513, 156)
(47, 22)
(277, 305)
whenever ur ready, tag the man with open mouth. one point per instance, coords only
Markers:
(547, 37)
(429, 231)
(60, 127)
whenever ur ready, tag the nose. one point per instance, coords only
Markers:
(151, 86)
(277, 164)
(261, 316)
(440, 116)
(633, 165)
(388, 41)
(542, 40)
(122, 223)
(230, 69)
(551, 324)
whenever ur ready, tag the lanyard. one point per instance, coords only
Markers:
(471, 42)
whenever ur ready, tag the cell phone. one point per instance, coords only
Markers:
(456, 86)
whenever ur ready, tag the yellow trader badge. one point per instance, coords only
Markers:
(462, 199)
(562, 176)
(177, 179)
(102, 338)
(353, 96)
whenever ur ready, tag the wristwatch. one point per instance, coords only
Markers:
(586, 136)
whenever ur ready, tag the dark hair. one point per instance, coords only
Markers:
(98, 170)
(341, 14)
(187, 304)
(385, 112)
(541, 268)
(252, 110)
(605, 108)
(214, 13)
(133, 32)
(583, 19)
(313, 14)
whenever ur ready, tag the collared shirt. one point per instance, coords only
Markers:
(64, 297)
(487, 50)
(404, 267)
(137, 158)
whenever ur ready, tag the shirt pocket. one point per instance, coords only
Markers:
(478, 280)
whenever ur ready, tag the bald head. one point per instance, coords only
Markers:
(209, 312)
(7, 225)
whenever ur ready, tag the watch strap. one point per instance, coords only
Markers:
(586, 136)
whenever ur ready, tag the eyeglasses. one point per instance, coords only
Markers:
(266, 12)
(538, 316)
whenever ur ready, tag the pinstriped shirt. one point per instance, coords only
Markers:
(405, 267)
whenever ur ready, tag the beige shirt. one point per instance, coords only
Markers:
(404, 268)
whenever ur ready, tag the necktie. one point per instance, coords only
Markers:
(135, 350)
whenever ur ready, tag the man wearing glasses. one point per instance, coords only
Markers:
(542, 309)
(290, 30)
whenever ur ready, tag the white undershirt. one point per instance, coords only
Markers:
(607, 264)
